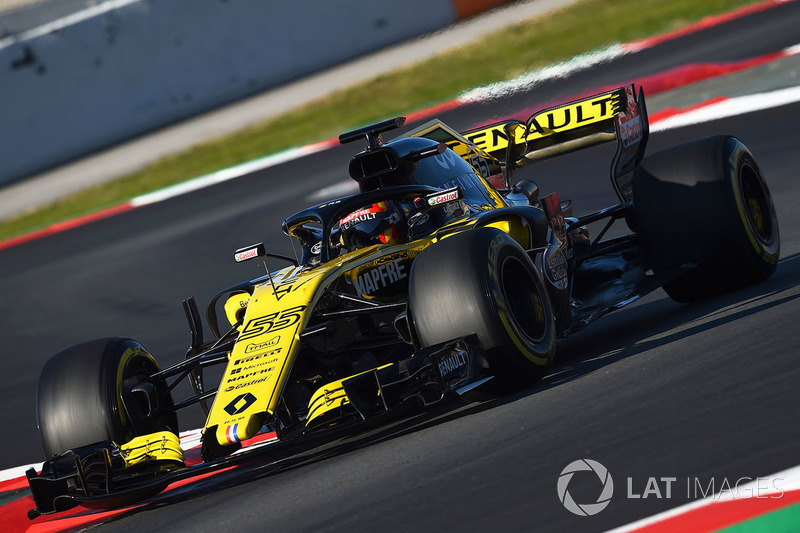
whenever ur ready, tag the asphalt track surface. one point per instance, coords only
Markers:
(657, 389)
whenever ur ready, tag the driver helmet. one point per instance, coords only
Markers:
(379, 223)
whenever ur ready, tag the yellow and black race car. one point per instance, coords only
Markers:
(442, 277)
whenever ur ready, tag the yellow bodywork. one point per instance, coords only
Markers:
(261, 361)
(235, 306)
(515, 227)
(163, 447)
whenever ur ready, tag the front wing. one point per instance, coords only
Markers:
(97, 475)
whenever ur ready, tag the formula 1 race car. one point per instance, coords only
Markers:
(444, 276)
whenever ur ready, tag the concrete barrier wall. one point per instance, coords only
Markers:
(129, 66)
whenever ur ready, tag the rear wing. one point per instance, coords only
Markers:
(618, 115)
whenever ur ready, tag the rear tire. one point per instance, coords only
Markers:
(482, 281)
(79, 399)
(706, 202)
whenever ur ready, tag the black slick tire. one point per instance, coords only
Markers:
(79, 398)
(706, 203)
(482, 281)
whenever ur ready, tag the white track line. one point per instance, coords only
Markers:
(729, 108)
(227, 174)
(17, 471)
(63, 22)
(531, 79)
(342, 188)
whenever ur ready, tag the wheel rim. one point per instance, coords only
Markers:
(524, 300)
(757, 205)
(134, 369)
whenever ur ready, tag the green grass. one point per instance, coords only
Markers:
(509, 53)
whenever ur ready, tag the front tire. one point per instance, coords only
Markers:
(79, 400)
(706, 202)
(482, 281)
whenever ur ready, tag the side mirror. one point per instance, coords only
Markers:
(528, 189)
